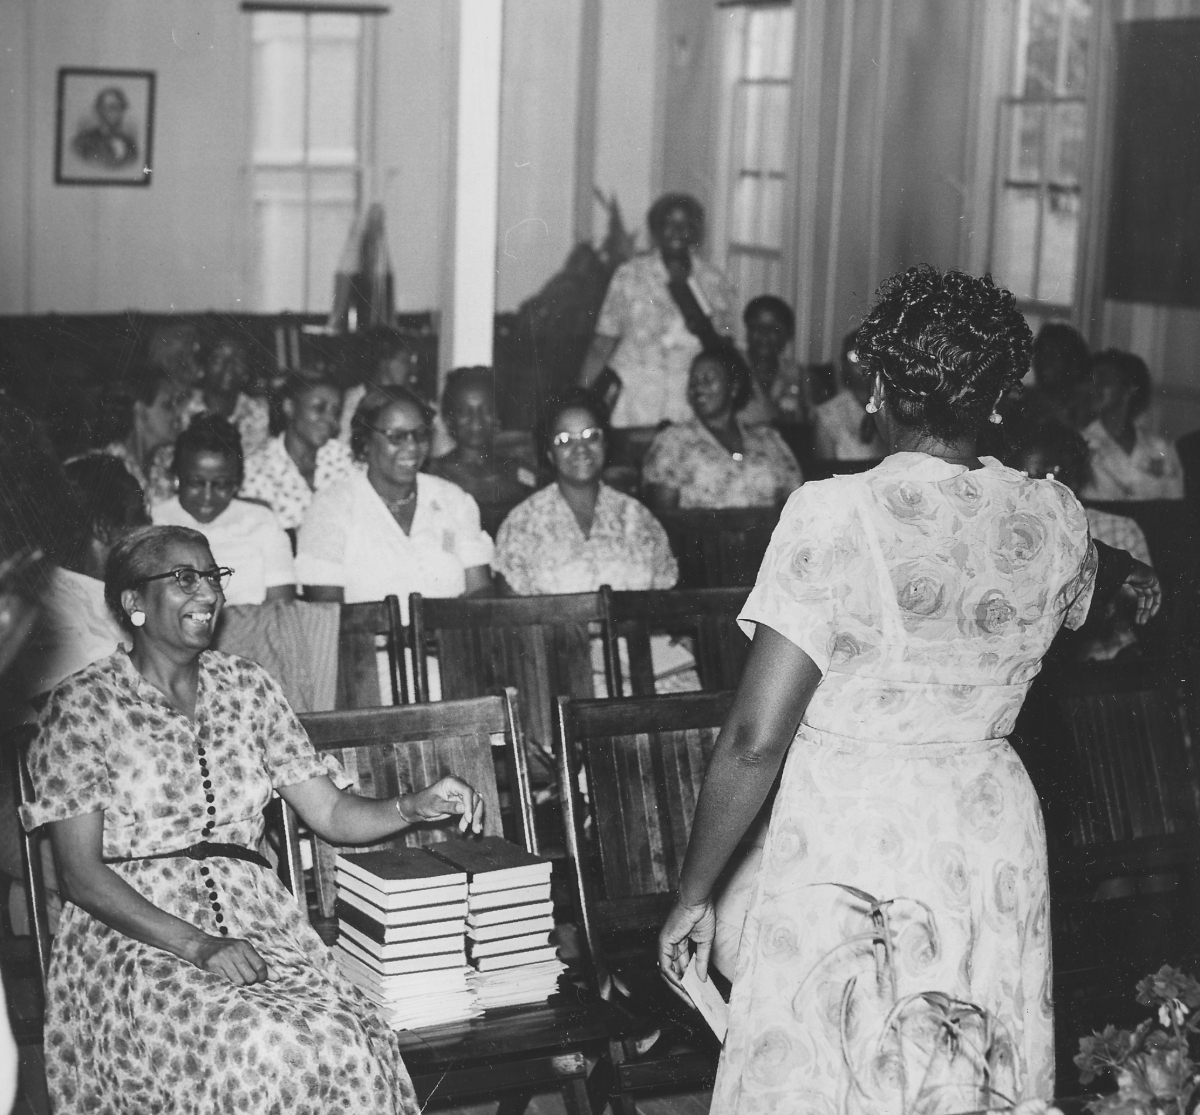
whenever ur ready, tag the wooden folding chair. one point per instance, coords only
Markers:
(509, 1054)
(708, 616)
(720, 548)
(362, 625)
(644, 759)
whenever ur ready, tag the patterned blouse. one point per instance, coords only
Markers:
(109, 740)
(272, 476)
(158, 481)
(656, 348)
(540, 548)
(1151, 471)
(689, 459)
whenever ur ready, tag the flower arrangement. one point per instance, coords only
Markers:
(1152, 1065)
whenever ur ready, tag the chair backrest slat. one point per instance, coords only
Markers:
(644, 760)
(707, 616)
(15, 745)
(1133, 753)
(388, 751)
(361, 627)
(719, 548)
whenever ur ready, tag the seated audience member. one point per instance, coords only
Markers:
(578, 533)
(778, 387)
(716, 459)
(224, 393)
(139, 418)
(1127, 461)
(496, 484)
(306, 458)
(244, 536)
(842, 429)
(76, 627)
(393, 364)
(1050, 450)
(1060, 367)
(394, 529)
(175, 350)
(184, 977)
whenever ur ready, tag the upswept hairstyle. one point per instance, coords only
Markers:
(373, 404)
(210, 433)
(777, 306)
(947, 346)
(114, 414)
(462, 380)
(737, 375)
(656, 218)
(136, 556)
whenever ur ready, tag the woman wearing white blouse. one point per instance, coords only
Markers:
(393, 530)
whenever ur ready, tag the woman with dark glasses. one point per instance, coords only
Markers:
(243, 533)
(184, 977)
(578, 533)
(394, 530)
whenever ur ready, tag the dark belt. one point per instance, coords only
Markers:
(205, 849)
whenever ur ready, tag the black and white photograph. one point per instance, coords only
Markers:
(105, 129)
(600, 557)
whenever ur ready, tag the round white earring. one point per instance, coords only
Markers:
(137, 617)
(872, 406)
(995, 418)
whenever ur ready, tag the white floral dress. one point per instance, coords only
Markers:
(132, 1028)
(927, 595)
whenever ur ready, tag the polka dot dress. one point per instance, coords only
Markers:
(132, 1028)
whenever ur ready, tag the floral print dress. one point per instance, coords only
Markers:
(130, 1027)
(902, 894)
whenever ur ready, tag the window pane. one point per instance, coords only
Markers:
(1016, 235)
(753, 275)
(1064, 143)
(769, 42)
(1060, 236)
(1079, 38)
(763, 116)
(1041, 50)
(279, 219)
(1025, 143)
(332, 206)
(757, 211)
(278, 65)
(333, 99)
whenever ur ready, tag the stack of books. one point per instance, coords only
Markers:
(401, 926)
(509, 921)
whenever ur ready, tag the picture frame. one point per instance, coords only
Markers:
(104, 134)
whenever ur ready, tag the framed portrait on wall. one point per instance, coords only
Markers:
(105, 130)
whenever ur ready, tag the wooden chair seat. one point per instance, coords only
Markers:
(706, 616)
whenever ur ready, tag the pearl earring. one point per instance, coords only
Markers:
(137, 617)
(872, 406)
(995, 418)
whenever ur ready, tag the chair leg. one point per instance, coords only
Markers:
(575, 1096)
(610, 1068)
(515, 1103)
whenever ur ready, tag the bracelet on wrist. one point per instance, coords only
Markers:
(403, 816)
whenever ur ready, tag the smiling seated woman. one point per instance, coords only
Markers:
(184, 977)
(245, 536)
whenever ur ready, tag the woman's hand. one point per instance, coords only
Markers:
(1142, 587)
(697, 924)
(232, 958)
(447, 797)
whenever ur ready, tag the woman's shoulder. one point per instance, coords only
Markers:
(92, 685)
(443, 490)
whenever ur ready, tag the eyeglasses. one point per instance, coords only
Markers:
(397, 439)
(219, 488)
(593, 435)
(188, 579)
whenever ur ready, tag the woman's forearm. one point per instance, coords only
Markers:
(358, 820)
(99, 890)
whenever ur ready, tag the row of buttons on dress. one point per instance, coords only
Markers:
(205, 833)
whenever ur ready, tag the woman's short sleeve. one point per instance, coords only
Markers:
(783, 460)
(614, 313)
(288, 752)
(321, 544)
(278, 567)
(664, 461)
(474, 544)
(516, 544)
(799, 584)
(67, 761)
(1077, 594)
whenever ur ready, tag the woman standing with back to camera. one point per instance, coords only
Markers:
(898, 619)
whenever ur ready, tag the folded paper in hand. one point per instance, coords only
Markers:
(707, 1000)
